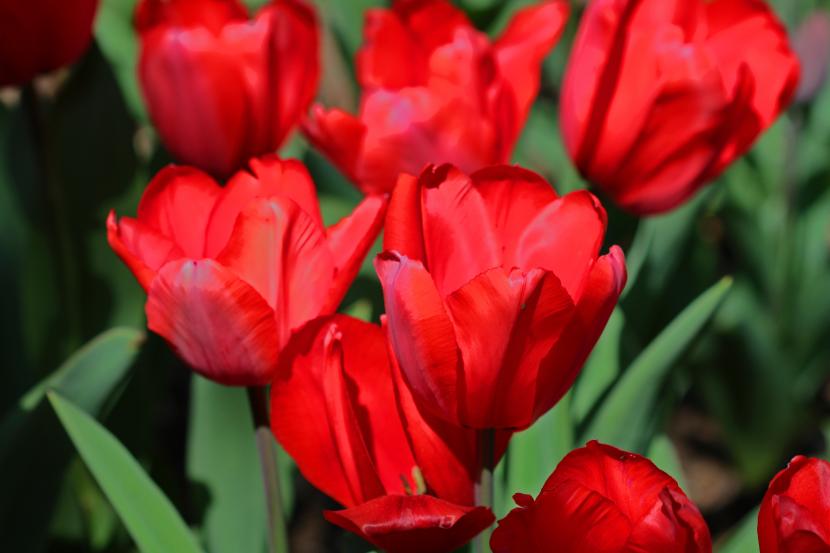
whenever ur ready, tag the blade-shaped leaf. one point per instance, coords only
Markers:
(745, 538)
(31, 470)
(222, 454)
(624, 418)
(601, 369)
(150, 518)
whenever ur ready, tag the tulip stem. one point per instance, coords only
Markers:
(54, 219)
(484, 491)
(268, 455)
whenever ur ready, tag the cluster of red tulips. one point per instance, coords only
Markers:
(495, 287)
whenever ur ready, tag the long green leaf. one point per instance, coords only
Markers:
(150, 518)
(623, 419)
(745, 538)
(601, 369)
(222, 455)
(34, 451)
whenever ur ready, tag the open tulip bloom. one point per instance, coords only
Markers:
(495, 291)
(604, 500)
(436, 90)
(405, 478)
(230, 272)
(660, 96)
(221, 87)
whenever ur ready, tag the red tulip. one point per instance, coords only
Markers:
(660, 96)
(795, 513)
(230, 272)
(495, 293)
(221, 88)
(436, 90)
(406, 480)
(604, 500)
(38, 36)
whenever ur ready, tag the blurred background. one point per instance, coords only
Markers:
(716, 364)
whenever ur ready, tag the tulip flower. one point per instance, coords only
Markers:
(221, 88)
(495, 291)
(604, 500)
(339, 409)
(38, 36)
(660, 96)
(795, 512)
(230, 272)
(436, 90)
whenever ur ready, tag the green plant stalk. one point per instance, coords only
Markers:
(54, 219)
(484, 492)
(268, 454)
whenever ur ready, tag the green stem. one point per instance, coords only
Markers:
(268, 457)
(55, 220)
(484, 492)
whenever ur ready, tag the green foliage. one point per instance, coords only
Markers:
(148, 515)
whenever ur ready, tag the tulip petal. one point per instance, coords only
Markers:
(565, 238)
(421, 334)
(504, 326)
(269, 177)
(339, 136)
(282, 253)
(413, 524)
(349, 241)
(387, 41)
(572, 517)
(601, 291)
(177, 204)
(293, 64)
(514, 197)
(520, 49)
(747, 32)
(315, 417)
(213, 14)
(216, 322)
(142, 249)
(458, 236)
(402, 231)
(433, 23)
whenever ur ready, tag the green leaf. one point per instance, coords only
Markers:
(222, 454)
(118, 41)
(745, 538)
(601, 369)
(535, 452)
(150, 518)
(663, 454)
(34, 451)
(624, 419)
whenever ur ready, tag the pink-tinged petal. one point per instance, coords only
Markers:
(269, 177)
(504, 326)
(565, 238)
(292, 65)
(200, 87)
(403, 231)
(314, 415)
(446, 454)
(573, 518)
(177, 204)
(282, 253)
(215, 321)
(458, 235)
(339, 136)
(413, 524)
(513, 196)
(211, 14)
(421, 335)
(560, 368)
(747, 32)
(390, 57)
(142, 249)
(349, 241)
(530, 35)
